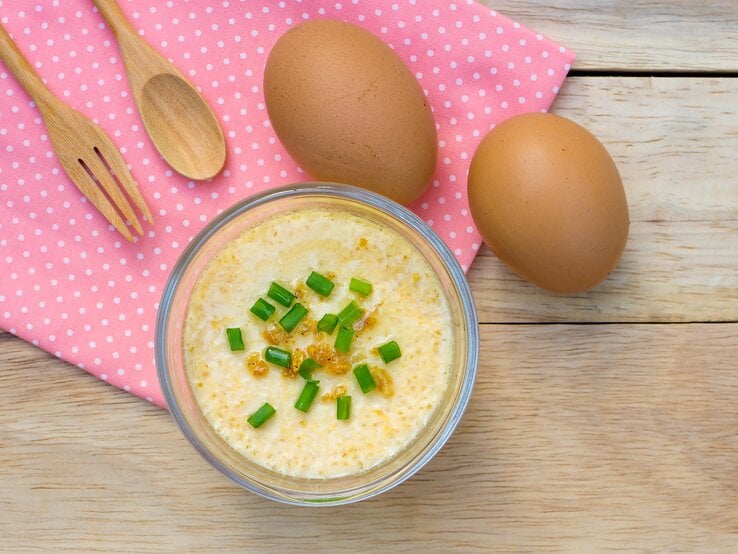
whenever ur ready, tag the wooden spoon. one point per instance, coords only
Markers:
(180, 123)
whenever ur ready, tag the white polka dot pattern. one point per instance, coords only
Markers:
(71, 285)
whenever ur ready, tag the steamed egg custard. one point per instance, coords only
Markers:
(318, 343)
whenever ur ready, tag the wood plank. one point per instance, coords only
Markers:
(638, 35)
(676, 272)
(674, 141)
(578, 437)
(677, 160)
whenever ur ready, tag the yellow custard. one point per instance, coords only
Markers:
(406, 305)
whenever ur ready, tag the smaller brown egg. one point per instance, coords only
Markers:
(548, 200)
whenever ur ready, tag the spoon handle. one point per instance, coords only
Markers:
(19, 66)
(110, 10)
(141, 60)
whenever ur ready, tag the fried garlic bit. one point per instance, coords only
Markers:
(332, 361)
(300, 292)
(340, 367)
(338, 391)
(384, 381)
(320, 352)
(306, 326)
(256, 365)
(298, 356)
(274, 334)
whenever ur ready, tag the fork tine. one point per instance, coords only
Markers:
(90, 189)
(97, 167)
(113, 158)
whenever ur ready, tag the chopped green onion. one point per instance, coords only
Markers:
(343, 407)
(328, 323)
(343, 339)
(320, 284)
(360, 286)
(277, 356)
(365, 379)
(307, 396)
(258, 418)
(349, 314)
(389, 351)
(280, 294)
(290, 320)
(235, 339)
(262, 309)
(307, 367)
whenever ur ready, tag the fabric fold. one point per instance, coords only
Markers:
(74, 287)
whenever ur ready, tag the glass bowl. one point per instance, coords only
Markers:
(184, 407)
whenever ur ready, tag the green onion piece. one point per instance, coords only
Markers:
(262, 309)
(235, 339)
(307, 367)
(343, 407)
(389, 351)
(364, 288)
(280, 294)
(349, 314)
(320, 284)
(277, 356)
(307, 396)
(290, 320)
(328, 323)
(258, 418)
(365, 379)
(343, 339)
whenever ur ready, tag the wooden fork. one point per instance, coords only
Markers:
(86, 153)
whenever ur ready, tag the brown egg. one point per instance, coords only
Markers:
(348, 109)
(549, 202)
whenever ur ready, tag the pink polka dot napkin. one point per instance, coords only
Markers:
(70, 284)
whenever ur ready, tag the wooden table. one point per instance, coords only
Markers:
(604, 420)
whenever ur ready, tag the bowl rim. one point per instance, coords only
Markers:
(388, 207)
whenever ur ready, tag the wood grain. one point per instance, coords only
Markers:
(639, 35)
(578, 437)
(674, 141)
(669, 272)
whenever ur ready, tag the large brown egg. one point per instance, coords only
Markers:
(548, 200)
(348, 109)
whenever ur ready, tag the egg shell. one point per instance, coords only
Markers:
(548, 200)
(348, 109)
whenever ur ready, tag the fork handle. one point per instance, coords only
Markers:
(17, 63)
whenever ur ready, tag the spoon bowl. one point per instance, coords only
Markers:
(177, 118)
(181, 130)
